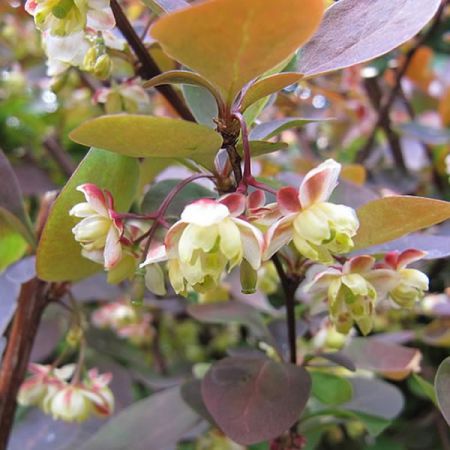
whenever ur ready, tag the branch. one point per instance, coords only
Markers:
(31, 304)
(149, 68)
(289, 287)
(61, 158)
(385, 109)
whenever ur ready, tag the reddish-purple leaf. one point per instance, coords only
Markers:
(255, 399)
(355, 31)
(392, 360)
(442, 386)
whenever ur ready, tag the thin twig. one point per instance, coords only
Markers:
(149, 68)
(289, 287)
(57, 153)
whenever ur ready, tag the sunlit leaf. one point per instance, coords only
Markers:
(390, 218)
(442, 386)
(255, 399)
(59, 255)
(155, 423)
(268, 86)
(331, 389)
(353, 32)
(145, 136)
(12, 245)
(231, 42)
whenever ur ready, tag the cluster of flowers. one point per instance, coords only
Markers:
(76, 33)
(48, 388)
(213, 236)
(125, 320)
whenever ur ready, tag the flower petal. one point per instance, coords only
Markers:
(288, 201)
(235, 203)
(95, 198)
(113, 249)
(359, 264)
(252, 243)
(156, 254)
(319, 183)
(205, 212)
(409, 256)
(256, 199)
(154, 279)
(278, 235)
(173, 237)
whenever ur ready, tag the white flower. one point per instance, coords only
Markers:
(317, 228)
(100, 232)
(65, 17)
(209, 239)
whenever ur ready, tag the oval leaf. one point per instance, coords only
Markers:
(331, 389)
(353, 31)
(442, 386)
(255, 399)
(375, 398)
(390, 218)
(154, 423)
(144, 136)
(268, 86)
(392, 360)
(231, 42)
(59, 255)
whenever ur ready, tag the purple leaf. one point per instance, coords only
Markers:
(355, 31)
(155, 423)
(255, 399)
(442, 386)
(375, 397)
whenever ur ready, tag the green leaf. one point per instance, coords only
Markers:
(424, 387)
(389, 218)
(145, 136)
(331, 389)
(353, 31)
(155, 423)
(12, 246)
(268, 86)
(59, 255)
(202, 104)
(183, 77)
(231, 42)
(442, 386)
(275, 127)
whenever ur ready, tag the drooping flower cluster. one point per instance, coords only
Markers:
(48, 388)
(124, 320)
(353, 289)
(215, 236)
(75, 33)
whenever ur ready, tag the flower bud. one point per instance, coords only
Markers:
(69, 404)
(103, 66)
(249, 278)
